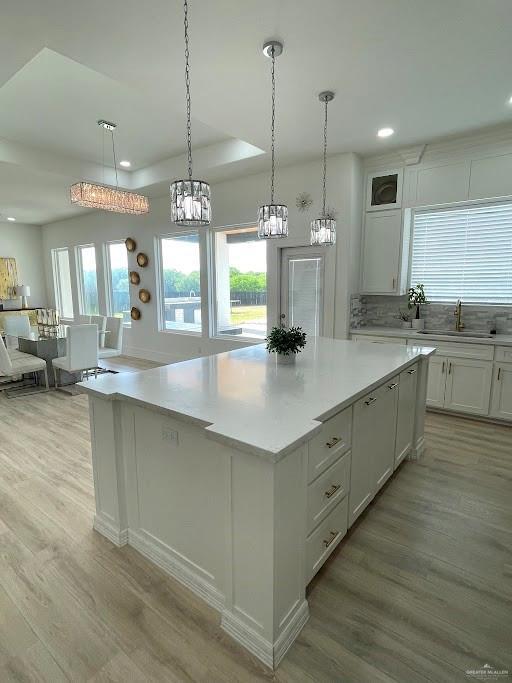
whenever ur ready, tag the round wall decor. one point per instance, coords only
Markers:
(130, 243)
(142, 259)
(135, 313)
(134, 277)
(144, 296)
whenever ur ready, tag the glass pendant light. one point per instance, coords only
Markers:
(96, 196)
(273, 218)
(323, 229)
(190, 199)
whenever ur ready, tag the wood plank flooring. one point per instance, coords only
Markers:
(420, 590)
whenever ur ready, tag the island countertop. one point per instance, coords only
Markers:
(245, 399)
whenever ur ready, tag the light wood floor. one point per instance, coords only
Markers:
(420, 590)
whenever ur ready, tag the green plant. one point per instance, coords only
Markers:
(403, 315)
(285, 340)
(417, 297)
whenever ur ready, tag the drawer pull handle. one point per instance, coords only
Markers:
(331, 539)
(330, 492)
(442, 369)
(333, 441)
(499, 374)
(393, 386)
(370, 401)
(411, 372)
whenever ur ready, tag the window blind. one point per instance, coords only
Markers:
(464, 253)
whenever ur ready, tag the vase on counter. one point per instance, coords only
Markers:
(418, 324)
(283, 359)
(406, 324)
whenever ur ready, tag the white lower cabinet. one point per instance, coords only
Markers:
(406, 414)
(460, 384)
(436, 384)
(501, 399)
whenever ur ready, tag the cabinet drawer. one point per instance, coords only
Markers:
(503, 354)
(325, 538)
(379, 340)
(327, 491)
(457, 349)
(333, 440)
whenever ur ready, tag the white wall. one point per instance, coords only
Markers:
(235, 202)
(25, 244)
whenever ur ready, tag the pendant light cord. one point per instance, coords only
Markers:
(273, 124)
(325, 162)
(187, 87)
(114, 155)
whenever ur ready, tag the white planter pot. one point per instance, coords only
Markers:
(406, 324)
(286, 360)
(418, 324)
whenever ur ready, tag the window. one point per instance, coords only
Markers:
(88, 283)
(62, 283)
(118, 286)
(181, 286)
(241, 283)
(464, 253)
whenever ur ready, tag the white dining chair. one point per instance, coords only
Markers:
(101, 322)
(17, 364)
(81, 350)
(16, 326)
(113, 339)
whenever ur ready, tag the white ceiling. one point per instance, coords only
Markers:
(426, 68)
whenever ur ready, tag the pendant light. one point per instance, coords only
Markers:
(190, 199)
(273, 218)
(323, 229)
(95, 196)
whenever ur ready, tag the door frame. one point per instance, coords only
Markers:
(328, 254)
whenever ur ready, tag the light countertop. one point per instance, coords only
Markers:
(243, 398)
(495, 339)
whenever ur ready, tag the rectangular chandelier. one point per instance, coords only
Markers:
(108, 198)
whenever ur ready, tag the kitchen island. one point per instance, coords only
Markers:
(239, 476)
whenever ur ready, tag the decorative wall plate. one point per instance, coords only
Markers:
(142, 259)
(144, 296)
(130, 243)
(135, 313)
(134, 277)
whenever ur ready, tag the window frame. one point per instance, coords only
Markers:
(212, 271)
(109, 294)
(80, 278)
(453, 206)
(203, 279)
(57, 288)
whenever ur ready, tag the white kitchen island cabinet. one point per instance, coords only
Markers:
(234, 474)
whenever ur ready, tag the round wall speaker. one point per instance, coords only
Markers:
(142, 259)
(144, 296)
(130, 243)
(134, 277)
(135, 313)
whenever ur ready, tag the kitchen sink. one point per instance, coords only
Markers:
(454, 333)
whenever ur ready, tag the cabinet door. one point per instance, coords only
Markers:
(406, 414)
(468, 385)
(436, 381)
(385, 427)
(501, 402)
(364, 441)
(381, 252)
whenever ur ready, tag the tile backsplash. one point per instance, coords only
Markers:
(381, 311)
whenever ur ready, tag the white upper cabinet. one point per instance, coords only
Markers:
(491, 177)
(443, 184)
(383, 247)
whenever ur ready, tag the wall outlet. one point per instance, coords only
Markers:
(170, 435)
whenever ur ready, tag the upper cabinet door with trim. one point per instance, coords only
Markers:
(381, 252)
(491, 177)
(443, 184)
(384, 190)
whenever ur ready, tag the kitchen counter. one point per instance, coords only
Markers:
(495, 339)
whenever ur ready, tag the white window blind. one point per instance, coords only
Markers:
(464, 253)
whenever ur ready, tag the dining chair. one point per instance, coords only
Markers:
(101, 322)
(16, 326)
(114, 339)
(81, 350)
(16, 364)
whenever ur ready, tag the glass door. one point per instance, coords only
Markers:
(302, 289)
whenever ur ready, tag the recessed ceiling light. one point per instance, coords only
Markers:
(11, 218)
(385, 132)
(126, 164)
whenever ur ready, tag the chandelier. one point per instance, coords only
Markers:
(190, 199)
(323, 229)
(105, 197)
(273, 218)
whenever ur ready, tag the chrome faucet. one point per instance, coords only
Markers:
(459, 325)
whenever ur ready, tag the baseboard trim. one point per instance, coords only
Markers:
(417, 450)
(268, 653)
(170, 563)
(105, 527)
(471, 416)
(149, 354)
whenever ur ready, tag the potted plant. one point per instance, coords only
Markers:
(405, 319)
(417, 297)
(286, 343)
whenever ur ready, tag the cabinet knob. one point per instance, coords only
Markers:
(333, 441)
(332, 536)
(330, 492)
(370, 401)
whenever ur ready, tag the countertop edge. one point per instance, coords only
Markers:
(494, 340)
